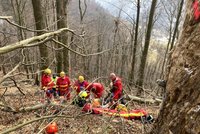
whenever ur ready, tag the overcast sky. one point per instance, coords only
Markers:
(113, 7)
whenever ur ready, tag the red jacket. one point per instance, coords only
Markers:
(47, 81)
(196, 9)
(78, 86)
(99, 89)
(63, 83)
(117, 85)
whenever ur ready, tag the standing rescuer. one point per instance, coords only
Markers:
(47, 83)
(80, 84)
(63, 84)
(116, 88)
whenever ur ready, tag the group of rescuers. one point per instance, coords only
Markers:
(54, 86)
(62, 86)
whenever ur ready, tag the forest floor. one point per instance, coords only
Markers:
(77, 122)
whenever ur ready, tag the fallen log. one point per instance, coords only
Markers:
(6, 108)
(144, 100)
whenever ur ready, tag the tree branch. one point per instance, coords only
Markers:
(24, 43)
(37, 119)
(60, 43)
(7, 108)
(8, 74)
(84, 55)
(6, 17)
(20, 90)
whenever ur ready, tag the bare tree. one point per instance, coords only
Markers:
(40, 25)
(131, 76)
(62, 55)
(146, 45)
(177, 23)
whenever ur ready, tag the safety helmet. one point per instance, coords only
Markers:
(83, 94)
(52, 128)
(62, 74)
(81, 79)
(96, 103)
(47, 71)
(121, 107)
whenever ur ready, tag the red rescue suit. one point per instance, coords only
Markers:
(80, 86)
(196, 10)
(97, 89)
(47, 84)
(117, 88)
(63, 84)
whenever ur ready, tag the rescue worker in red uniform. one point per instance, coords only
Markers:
(47, 83)
(97, 89)
(116, 91)
(81, 85)
(63, 85)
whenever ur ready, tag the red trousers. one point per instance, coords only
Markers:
(65, 93)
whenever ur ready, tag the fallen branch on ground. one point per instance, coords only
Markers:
(37, 119)
(7, 108)
(143, 100)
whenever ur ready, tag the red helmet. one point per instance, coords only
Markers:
(52, 128)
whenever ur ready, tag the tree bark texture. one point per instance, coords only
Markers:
(181, 107)
(62, 55)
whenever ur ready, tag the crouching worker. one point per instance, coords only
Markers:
(97, 89)
(63, 84)
(81, 99)
(80, 85)
(47, 83)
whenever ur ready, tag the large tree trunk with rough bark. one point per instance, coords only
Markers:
(40, 25)
(181, 107)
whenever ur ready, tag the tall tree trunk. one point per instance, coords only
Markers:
(146, 45)
(167, 49)
(124, 61)
(62, 56)
(98, 61)
(180, 111)
(40, 25)
(131, 76)
(18, 10)
(82, 11)
(177, 24)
